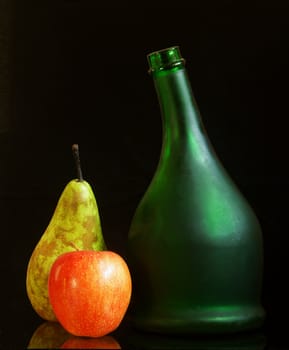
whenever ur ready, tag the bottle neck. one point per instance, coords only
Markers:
(182, 125)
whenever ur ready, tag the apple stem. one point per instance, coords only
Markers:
(75, 151)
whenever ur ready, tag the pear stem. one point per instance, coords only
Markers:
(75, 151)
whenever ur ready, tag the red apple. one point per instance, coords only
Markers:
(89, 291)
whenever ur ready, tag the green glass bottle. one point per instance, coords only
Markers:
(195, 247)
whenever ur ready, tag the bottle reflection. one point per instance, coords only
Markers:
(139, 340)
(51, 335)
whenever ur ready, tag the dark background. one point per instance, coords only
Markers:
(76, 71)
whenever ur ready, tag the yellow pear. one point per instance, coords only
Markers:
(75, 225)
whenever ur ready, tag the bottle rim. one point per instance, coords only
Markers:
(165, 59)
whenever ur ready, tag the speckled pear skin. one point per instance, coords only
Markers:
(75, 225)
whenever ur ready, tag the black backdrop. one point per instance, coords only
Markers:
(78, 73)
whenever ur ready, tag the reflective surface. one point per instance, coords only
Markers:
(47, 335)
(51, 335)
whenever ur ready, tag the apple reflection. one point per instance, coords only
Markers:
(105, 342)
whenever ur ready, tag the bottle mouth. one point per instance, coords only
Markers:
(165, 59)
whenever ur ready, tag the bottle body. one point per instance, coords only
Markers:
(195, 246)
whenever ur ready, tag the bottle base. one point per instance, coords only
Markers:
(222, 320)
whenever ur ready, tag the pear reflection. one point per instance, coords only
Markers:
(49, 335)
(137, 340)
(106, 342)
